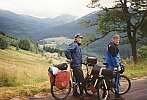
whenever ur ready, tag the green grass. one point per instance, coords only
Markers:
(22, 67)
(6, 93)
(138, 70)
(23, 73)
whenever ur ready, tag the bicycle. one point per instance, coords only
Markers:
(106, 84)
(57, 93)
(97, 83)
(62, 94)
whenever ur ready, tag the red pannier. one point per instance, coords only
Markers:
(62, 79)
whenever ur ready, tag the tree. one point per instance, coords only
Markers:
(53, 50)
(125, 16)
(24, 44)
(88, 38)
(3, 43)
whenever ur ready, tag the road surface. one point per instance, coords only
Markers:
(138, 91)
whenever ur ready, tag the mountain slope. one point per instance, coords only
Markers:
(74, 27)
(60, 20)
(21, 25)
(28, 26)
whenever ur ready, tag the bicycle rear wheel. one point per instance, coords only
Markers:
(124, 85)
(60, 94)
(89, 87)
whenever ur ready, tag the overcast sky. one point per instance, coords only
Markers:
(48, 8)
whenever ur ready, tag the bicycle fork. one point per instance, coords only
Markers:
(106, 90)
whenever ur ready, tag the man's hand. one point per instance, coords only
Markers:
(120, 68)
(117, 68)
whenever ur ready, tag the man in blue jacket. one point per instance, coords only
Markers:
(113, 60)
(74, 54)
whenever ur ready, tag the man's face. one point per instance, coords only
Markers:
(116, 40)
(78, 40)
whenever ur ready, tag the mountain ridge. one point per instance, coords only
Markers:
(28, 26)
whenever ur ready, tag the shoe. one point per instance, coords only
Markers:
(81, 97)
(118, 97)
(76, 94)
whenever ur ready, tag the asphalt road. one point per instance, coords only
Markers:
(138, 91)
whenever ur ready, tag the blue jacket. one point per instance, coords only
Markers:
(74, 53)
(112, 56)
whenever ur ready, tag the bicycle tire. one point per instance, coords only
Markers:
(59, 97)
(102, 87)
(128, 86)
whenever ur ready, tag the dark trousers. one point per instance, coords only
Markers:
(78, 77)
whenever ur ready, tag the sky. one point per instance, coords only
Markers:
(49, 8)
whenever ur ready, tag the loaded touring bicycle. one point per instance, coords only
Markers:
(98, 80)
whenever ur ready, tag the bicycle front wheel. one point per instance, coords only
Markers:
(102, 90)
(124, 85)
(60, 94)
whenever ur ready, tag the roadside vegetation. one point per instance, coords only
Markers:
(21, 72)
(136, 71)
(140, 69)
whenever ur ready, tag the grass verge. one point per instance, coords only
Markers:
(138, 70)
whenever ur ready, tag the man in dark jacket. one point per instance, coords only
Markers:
(74, 54)
(113, 60)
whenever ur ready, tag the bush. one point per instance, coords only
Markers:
(24, 44)
(143, 51)
(53, 50)
(3, 43)
(34, 47)
(27, 44)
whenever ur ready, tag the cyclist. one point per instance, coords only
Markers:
(112, 58)
(74, 54)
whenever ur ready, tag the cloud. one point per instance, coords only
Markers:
(46, 8)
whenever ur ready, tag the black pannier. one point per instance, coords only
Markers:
(108, 74)
(105, 72)
(91, 61)
(62, 66)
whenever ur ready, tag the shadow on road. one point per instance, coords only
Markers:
(72, 98)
